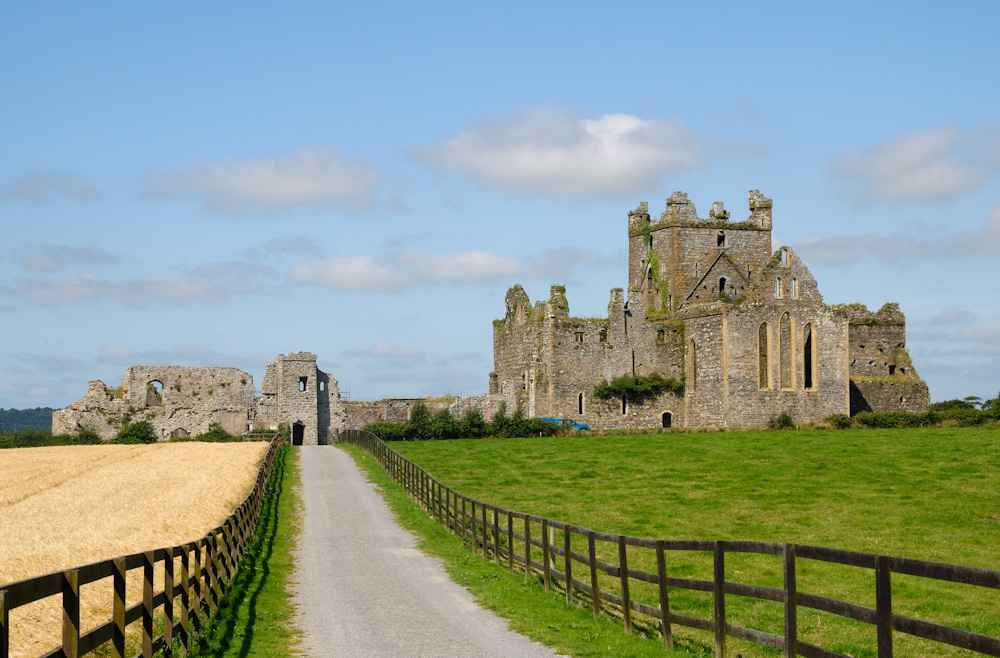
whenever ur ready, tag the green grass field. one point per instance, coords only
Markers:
(924, 493)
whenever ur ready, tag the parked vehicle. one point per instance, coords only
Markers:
(566, 422)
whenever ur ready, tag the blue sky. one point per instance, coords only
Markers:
(186, 184)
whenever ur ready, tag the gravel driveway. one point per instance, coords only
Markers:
(363, 589)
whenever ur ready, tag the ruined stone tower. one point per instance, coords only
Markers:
(294, 391)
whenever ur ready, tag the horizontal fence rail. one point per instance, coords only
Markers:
(206, 568)
(518, 540)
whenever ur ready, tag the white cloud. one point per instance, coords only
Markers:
(52, 257)
(87, 287)
(930, 165)
(952, 315)
(38, 187)
(407, 269)
(186, 354)
(314, 179)
(839, 249)
(554, 152)
(394, 356)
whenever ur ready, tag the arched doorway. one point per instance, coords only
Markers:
(298, 432)
(668, 419)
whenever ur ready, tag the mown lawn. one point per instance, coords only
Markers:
(931, 493)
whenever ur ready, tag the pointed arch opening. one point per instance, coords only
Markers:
(808, 357)
(785, 350)
(763, 373)
(579, 404)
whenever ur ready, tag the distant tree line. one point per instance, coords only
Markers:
(423, 425)
(39, 418)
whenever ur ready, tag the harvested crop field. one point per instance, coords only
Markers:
(62, 507)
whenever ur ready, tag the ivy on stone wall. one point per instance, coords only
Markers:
(637, 389)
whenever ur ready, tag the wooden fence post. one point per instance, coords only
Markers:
(486, 550)
(212, 578)
(883, 606)
(527, 547)
(568, 564)
(4, 625)
(168, 603)
(196, 586)
(147, 604)
(185, 595)
(475, 549)
(461, 526)
(496, 536)
(719, 595)
(118, 611)
(661, 572)
(510, 542)
(791, 604)
(546, 569)
(623, 573)
(71, 613)
(595, 591)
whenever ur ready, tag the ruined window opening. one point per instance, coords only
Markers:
(154, 393)
(720, 241)
(579, 337)
(579, 408)
(624, 405)
(322, 386)
(661, 336)
(785, 350)
(302, 383)
(748, 272)
(777, 288)
(784, 258)
(722, 286)
(603, 335)
(892, 369)
(808, 363)
(795, 288)
(667, 419)
(696, 270)
(693, 379)
(670, 302)
(763, 372)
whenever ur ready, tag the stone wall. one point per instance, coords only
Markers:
(702, 293)
(294, 391)
(177, 400)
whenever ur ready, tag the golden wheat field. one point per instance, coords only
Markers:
(62, 507)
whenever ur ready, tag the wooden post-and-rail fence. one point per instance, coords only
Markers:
(509, 536)
(206, 568)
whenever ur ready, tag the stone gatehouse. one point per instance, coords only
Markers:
(711, 305)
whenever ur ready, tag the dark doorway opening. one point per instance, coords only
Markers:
(298, 432)
(668, 419)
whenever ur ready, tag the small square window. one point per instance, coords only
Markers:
(579, 337)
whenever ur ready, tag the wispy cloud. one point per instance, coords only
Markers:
(555, 152)
(317, 179)
(389, 355)
(984, 241)
(52, 257)
(406, 269)
(39, 187)
(929, 165)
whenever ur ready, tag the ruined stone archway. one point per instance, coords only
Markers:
(298, 433)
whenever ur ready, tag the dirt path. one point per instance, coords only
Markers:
(364, 590)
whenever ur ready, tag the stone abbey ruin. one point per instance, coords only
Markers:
(739, 331)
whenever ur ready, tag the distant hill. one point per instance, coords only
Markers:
(39, 418)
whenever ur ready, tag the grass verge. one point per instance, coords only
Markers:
(926, 493)
(254, 617)
(532, 611)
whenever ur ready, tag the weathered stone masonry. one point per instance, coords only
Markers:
(710, 302)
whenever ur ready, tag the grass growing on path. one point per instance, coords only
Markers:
(924, 493)
(533, 612)
(255, 616)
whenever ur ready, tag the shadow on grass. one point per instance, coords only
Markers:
(238, 609)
